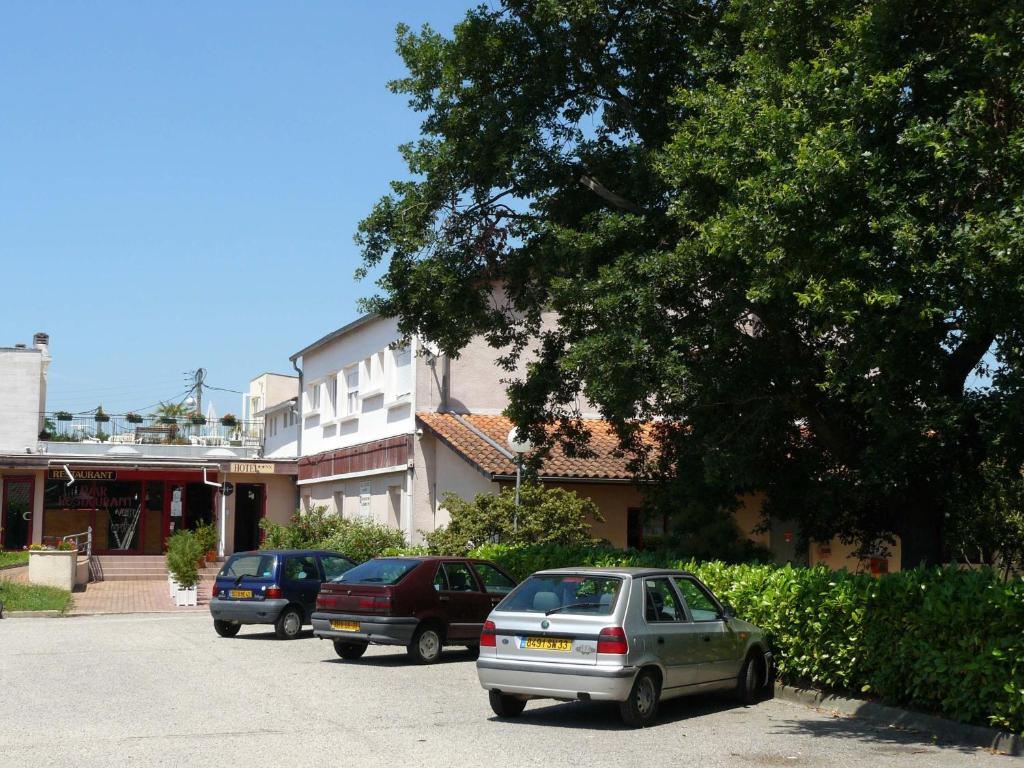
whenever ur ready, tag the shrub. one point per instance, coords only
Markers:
(358, 538)
(183, 553)
(941, 640)
(545, 516)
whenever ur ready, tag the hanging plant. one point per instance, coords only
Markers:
(100, 416)
(133, 418)
(197, 418)
(168, 420)
(229, 420)
(63, 416)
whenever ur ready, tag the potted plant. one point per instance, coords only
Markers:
(168, 420)
(133, 418)
(197, 418)
(63, 416)
(229, 420)
(100, 417)
(182, 555)
(206, 535)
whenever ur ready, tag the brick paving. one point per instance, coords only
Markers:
(131, 597)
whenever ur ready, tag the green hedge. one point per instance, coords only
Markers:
(940, 640)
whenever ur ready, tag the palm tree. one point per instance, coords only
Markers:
(170, 413)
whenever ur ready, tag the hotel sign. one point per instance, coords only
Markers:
(251, 468)
(83, 474)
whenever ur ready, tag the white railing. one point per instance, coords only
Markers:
(83, 541)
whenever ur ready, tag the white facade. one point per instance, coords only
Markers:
(23, 372)
(281, 430)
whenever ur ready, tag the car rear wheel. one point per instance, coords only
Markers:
(425, 647)
(504, 705)
(288, 624)
(226, 628)
(349, 650)
(640, 709)
(748, 683)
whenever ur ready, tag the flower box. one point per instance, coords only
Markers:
(185, 598)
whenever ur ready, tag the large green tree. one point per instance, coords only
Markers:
(790, 233)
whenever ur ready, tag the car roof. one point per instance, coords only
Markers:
(290, 552)
(630, 571)
(433, 558)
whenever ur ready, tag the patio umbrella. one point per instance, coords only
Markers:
(211, 420)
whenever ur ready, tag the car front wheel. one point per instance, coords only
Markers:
(226, 628)
(288, 624)
(640, 709)
(748, 683)
(349, 650)
(425, 647)
(506, 706)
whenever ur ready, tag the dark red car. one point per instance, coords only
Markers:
(423, 603)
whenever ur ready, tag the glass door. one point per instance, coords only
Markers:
(17, 512)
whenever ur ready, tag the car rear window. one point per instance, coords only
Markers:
(564, 593)
(251, 565)
(382, 571)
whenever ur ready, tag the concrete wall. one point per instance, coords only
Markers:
(453, 474)
(281, 433)
(837, 555)
(281, 501)
(22, 398)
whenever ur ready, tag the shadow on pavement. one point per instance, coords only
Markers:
(306, 634)
(886, 740)
(401, 659)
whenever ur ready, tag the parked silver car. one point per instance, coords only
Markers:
(635, 636)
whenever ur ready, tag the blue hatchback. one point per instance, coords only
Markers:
(273, 586)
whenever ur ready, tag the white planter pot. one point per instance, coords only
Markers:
(186, 597)
(172, 586)
(52, 568)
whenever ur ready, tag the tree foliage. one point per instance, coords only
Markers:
(791, 233)
(545, 516)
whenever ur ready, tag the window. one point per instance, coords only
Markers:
(253, 566)
(313, 397)
(440, 582)
(384, 570)
(352, 390)
(460, 579)
(701, 606)
(332, 396)
(395, 505)
(335, 566)
(660, 602)
(571, 593)
(495, 582)
(401, 372)
(365, 496)
(301, 568)
(339, 503)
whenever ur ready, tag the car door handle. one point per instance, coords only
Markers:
(661, 641)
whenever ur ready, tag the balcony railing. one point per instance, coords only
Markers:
(119, 429)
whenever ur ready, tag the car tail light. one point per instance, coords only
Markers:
(378, 604)
(214, 591)
(612, 640)
(274, 593)
(326, 601)
(488, 635)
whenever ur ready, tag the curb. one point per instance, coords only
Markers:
(32, 614)
(1002, 742)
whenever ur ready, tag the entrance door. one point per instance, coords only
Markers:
(17, 512)
(248, 512)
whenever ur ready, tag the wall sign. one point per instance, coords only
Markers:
(251, 468)
(83, 474)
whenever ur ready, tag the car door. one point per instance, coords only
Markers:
(670, 635)
(463, 601)
(718, 644)
(301, 579)
(496, 584)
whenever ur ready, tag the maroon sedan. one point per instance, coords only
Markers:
(423, 603)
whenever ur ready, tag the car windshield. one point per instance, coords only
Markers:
(254, 566)
(388, 570)
(564, 593)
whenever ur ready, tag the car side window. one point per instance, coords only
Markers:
(301, 568)
(459, 577)
(495, 582)
(660, 601)
(334, 566)
(701, 606)
(440, 582)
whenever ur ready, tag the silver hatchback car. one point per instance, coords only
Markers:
(635, 636)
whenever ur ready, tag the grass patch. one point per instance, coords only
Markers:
(17, 596)
(18, 557)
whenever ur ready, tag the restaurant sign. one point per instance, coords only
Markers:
(83, 474)
(251, 468)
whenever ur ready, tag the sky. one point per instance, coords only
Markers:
(180, 184)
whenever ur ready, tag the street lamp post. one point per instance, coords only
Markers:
(519, 447)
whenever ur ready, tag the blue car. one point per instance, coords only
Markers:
(273, 586)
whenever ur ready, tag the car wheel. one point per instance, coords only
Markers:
(349, 650)
(505, 706)
(640, 709)
(425, 647)
(226, 628)
(748, 683)
(288, 624)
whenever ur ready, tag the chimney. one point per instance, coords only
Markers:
(41, 341)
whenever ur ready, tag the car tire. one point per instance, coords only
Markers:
(226, 628)
(504, 705)
(349, 650)
(749, 682)
(640, 709)
(425, 647)
(288, 624)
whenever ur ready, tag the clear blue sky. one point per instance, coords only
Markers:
(180, 183)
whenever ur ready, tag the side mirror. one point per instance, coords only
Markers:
(728, 612)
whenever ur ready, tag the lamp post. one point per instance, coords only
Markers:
(519, 447)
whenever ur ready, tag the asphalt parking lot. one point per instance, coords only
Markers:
(163, 689)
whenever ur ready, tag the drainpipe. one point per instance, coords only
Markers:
(298, 439)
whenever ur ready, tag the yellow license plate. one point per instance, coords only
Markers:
(240, 593)
(548, 644)
(345, 626)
